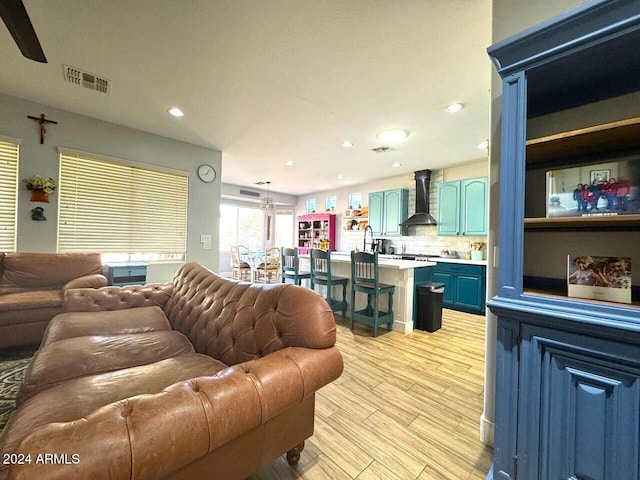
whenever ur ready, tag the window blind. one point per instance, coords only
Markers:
(113, 208)
(8, 195)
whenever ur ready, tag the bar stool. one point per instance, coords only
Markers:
(290, 267)
(365, 278)
(321, 274)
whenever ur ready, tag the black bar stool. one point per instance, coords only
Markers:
(321, 274)
(365, 278)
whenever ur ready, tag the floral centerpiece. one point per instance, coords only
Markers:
(40, 187)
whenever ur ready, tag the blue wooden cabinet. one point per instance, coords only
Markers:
(567, 369)
(462, 207)
(125, 273)
(387, 210)
(464, 285)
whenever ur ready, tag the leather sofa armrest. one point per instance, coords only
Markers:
(116, 298)
(88, 281)
(201, 414)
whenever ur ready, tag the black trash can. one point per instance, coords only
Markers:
(429, 316)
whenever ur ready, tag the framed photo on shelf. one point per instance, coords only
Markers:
(599, 176)
(599, 278)
(605, 189)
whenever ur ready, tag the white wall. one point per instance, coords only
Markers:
(420, 239)
(95, 136)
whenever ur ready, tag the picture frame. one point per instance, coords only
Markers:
(599, 176)
(603, 189)
(599, 278)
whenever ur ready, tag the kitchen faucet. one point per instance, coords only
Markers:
(364, 241)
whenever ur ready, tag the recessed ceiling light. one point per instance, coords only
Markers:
(396, 164)
(347, 144)
(454, 107)
(176, 112)
(290, 163)
(393, 135)
(340, 177)
(484, 144)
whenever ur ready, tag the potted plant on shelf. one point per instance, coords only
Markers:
(40, 187)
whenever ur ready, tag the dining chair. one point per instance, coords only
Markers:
(321, 275)
(365, 278)
(291, 267)
(270, 267)
(240, 270)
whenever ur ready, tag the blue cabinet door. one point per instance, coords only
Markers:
(448, 208)
(470, 293)
(473, 206)
(449, 286)
(376, 212)
(578, 407)
(395, 211)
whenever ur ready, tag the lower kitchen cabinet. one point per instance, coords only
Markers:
(464, 286)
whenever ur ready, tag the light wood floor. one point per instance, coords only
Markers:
(406, 407)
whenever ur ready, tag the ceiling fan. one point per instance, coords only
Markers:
(19, 25)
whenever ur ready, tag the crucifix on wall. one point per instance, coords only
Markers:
(43, 122)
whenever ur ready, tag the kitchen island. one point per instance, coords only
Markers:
(393, 271)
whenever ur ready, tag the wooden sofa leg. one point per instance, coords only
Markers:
(293, 455)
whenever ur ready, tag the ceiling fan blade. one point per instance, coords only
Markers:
(17, 21)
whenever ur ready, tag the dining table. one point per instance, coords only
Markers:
(254, 260)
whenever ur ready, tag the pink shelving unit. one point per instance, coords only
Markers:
(314, 227)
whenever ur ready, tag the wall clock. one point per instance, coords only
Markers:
(206, 173)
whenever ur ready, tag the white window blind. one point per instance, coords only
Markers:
(114, 208)
(8, 195)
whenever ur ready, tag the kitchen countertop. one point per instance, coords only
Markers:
(459, 260)
(384, 261)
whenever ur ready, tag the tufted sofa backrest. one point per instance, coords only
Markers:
(235, 322)
(45, 271)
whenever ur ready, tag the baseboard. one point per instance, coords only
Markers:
(486, 431)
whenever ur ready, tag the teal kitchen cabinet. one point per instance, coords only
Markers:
(387, 210)
(464, 285)
(462, 207)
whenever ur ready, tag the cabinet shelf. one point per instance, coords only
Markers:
(563, 294)
(613, 138)
(606, 221)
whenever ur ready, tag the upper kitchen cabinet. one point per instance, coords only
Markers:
(387, 210)
(462, 207)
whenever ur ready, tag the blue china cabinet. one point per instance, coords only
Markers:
(568, 369)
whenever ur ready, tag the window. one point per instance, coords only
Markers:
(311, 205)
(8, 195)
(355, 200)
(124, 211)
(284, 229)
(241, 226)
(331, 203)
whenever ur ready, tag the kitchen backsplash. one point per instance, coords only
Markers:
(423, 239)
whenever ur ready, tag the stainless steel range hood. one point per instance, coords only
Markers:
(421, 217)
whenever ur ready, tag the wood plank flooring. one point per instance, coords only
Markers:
(406, 407)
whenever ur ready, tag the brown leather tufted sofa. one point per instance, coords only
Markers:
(206, 377)
(31, 289)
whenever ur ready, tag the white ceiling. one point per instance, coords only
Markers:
(267, 81)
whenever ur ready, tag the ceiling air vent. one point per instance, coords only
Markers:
(382, 149)
(86, 79)
(249, 193)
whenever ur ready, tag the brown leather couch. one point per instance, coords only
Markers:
(206, 377)
(31, 289)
